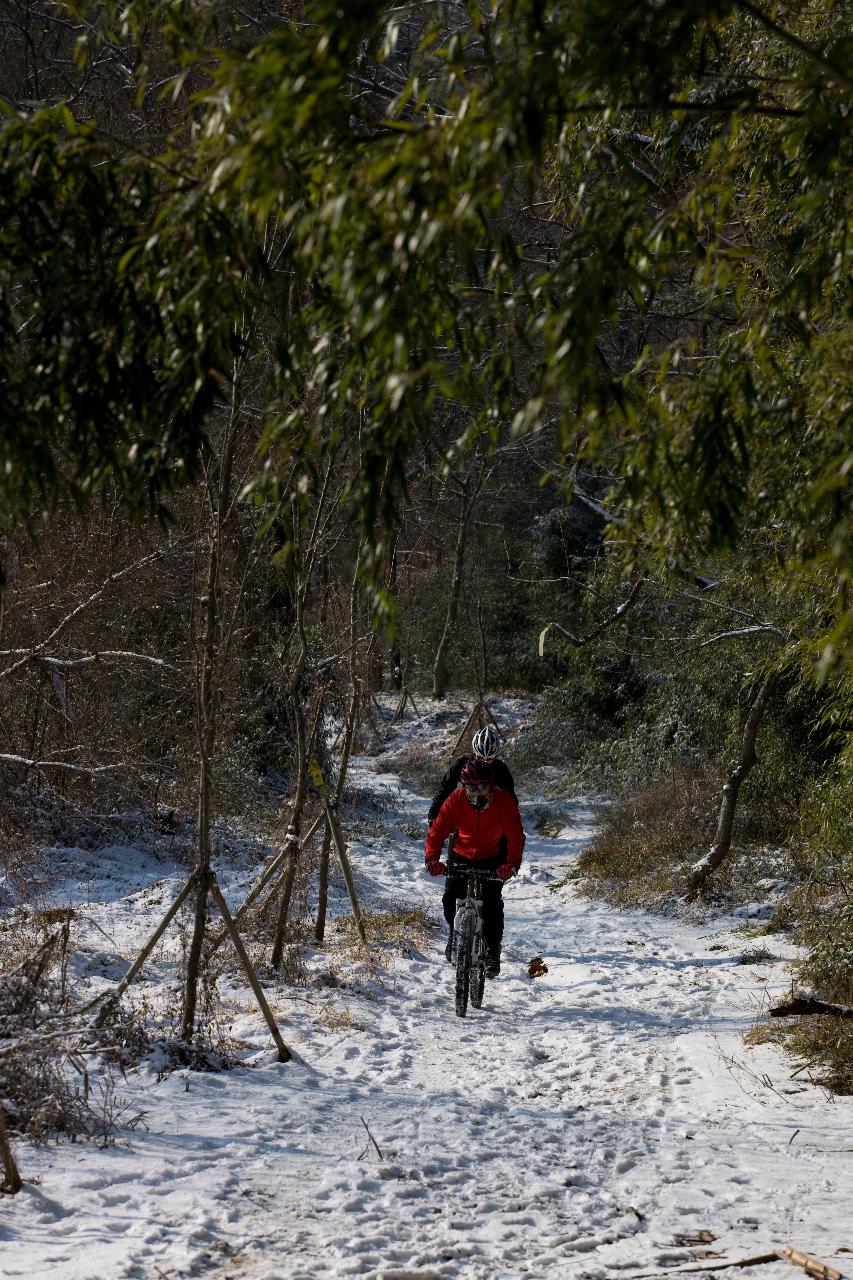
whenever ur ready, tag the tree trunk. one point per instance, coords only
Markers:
(350, 730)
(483, 669)
(291, 839)
(205, 739)
(807, 1005)
(206, 720)
(308, 551)
(12, 1179)
(346, 749)
(440, 672)
(725, 823)
(395, 657)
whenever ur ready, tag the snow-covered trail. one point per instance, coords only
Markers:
(602, 1120)
(581, 1124)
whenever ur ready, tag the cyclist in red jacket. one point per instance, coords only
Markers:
(483, 817)
(484, 746)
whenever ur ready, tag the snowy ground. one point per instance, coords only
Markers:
(603, 1120)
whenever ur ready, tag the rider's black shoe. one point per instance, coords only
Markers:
(448, 950)
(493, 962)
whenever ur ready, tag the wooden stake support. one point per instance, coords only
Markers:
(337, 836)
(275, 888)
(283, 1051)
(262, 882)
(108, 999)
(405, 697)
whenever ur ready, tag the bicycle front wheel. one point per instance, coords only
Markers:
(477, 980)
(464, 938)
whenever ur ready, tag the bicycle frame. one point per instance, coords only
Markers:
(470, 961)
(470, 905)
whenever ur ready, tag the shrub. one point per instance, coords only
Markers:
(823, 1047)
(37, 1091)
(646, 842)
(419, 767)
(824, 853)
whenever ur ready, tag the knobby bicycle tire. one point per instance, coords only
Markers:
(477, 980)
(463, 964)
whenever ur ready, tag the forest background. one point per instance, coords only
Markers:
(428, 346)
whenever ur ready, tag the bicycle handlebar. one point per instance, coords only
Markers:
(486, 874)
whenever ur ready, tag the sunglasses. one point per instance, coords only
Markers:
(476, 786)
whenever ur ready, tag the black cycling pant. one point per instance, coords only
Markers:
(456, 886)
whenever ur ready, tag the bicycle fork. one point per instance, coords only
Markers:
(466, 908)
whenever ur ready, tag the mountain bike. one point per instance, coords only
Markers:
(469, 945)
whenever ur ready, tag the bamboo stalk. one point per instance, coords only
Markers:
(813, 1266)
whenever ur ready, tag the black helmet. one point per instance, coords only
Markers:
(476, 771)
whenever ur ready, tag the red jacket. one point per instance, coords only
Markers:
(480, 830)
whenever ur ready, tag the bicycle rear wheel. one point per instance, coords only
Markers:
(463, 964)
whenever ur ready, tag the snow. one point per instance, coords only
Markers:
(602, 1120)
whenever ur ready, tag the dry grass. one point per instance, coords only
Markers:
(334, 1017)
(419, 767)
(822, 1048)
(19, 855)
(647, 843)
(402, 928)
(38, 1087)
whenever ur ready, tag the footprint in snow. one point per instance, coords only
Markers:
(64, 1229)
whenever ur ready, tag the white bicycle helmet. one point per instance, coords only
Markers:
(486, 743)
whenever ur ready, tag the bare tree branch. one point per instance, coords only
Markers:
(100, 655)
(580, 641)
(758, 629)
(599, 510)
(89, 770)
(75, 612)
